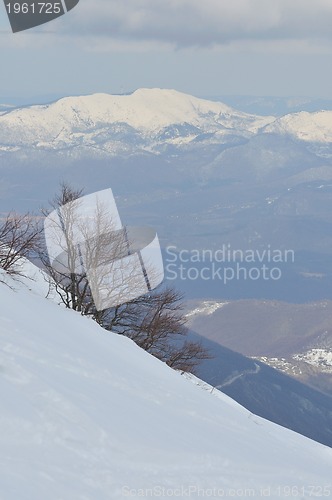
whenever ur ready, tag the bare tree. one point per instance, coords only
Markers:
(19, 239)
(88, 258)
(96, 277)
(156, 323)
(187, 357)
(65, 195)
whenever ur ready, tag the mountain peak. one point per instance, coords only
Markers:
(147, 112)
(148, 109)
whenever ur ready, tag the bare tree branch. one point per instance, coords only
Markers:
(19, 239)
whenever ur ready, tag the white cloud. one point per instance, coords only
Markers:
(192, 23)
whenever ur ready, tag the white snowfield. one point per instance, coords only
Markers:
(87, 415)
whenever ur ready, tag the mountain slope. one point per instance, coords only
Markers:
(88, 415)
(266, 328)
(267, 392)
(143, 118)
(309, 127)
(293, 338)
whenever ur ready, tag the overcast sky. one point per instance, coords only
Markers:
(206, 48)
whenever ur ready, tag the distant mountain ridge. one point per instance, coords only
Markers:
(305, 126)
(274, 105)
(200, 172)
(142, 119)
(145, 120)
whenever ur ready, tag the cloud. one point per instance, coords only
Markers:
(198, 23)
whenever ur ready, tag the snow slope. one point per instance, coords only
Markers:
(87, 415)
(309, 127)
(72, 121)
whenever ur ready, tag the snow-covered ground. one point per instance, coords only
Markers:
(87, 415)
(206, 308)
(281, 364)
(310, 127)
(321, 358)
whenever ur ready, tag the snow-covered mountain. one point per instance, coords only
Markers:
(199, 171)
(86, 414)
(304, 126)
(145, 121)
(121, 123)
